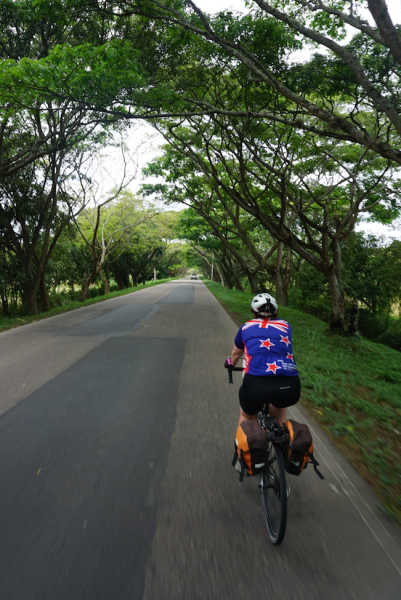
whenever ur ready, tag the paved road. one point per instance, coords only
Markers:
(115, 447)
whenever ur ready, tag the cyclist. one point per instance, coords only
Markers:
(270, 372)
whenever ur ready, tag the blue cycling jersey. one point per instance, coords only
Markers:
(267, 345)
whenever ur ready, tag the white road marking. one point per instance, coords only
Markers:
(333, 487)
(382, 536)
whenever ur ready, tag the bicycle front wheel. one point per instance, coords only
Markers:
(273, 492)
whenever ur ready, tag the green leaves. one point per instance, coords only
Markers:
(95, 76)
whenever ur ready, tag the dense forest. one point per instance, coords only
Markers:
(282, 130)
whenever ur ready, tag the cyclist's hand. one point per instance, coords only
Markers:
(228, 362)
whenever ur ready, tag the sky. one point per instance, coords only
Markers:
(144, 142)
(394, 6)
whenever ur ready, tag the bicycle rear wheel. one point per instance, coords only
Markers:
(273, 493)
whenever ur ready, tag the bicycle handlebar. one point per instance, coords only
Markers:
(230, 369)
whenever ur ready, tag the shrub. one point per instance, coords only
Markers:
(372, 325)
(392, 336)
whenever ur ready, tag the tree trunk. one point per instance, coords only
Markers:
(85, 288)
(90, 278)
(122, 280)
(278, 275)
(43, 295)
(105, 280)
(228, 276)
(337, 304)
(30, 297)
(30, 286)
(354, 318)
(4, 303)
(281, 296)
(286, 277)
(237, 283)
(252, 282)
(337, 317)
(220, 275)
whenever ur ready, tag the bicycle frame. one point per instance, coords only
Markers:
(272, 483)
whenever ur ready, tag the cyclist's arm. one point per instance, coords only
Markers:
(236, 354)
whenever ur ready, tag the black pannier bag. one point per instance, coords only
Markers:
(250, 447)
(299, 451)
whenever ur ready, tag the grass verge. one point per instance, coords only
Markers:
(353, 389)
(16, 321)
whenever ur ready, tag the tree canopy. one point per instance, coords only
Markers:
(276, 157)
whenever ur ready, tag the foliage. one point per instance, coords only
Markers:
(392, 334)
(147, 248)
(271, 153)
(301, 191)
(310, 292)
(208, 46)
(126, 239)
(373, 272)
(372, 278)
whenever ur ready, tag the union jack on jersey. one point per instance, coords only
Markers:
(266, 323)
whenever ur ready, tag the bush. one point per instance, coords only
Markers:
(381, 328)
(314, 304)
(392, 336)
(372, 325)
(59, 299)
(95, 291)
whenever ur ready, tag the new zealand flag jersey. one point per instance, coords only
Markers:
(267, 346)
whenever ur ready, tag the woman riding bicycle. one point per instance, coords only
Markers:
(270, 372)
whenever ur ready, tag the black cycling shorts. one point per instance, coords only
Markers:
(257, 390)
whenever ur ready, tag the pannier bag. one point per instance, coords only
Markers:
(250, 447)
(300, 449)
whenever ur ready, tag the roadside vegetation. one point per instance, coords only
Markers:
(352, 387)
(66, 304)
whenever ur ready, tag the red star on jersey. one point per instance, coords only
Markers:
(285, 340)
(272, 367)
(290, 356)
(266, 344)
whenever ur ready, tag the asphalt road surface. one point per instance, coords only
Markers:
(115, 448)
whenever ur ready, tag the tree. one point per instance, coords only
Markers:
(32, 68)
(306, 193)
(43, 136)
(245, 241)
(35, 207)
(221, 263)
(372, 272)
(329, 97)
(103, 229)
(148, 249)
(335, 101)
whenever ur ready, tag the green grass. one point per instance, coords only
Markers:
(352, 386)
(15, 321)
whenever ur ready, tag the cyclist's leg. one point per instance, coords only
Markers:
(284, 392)
(250, 402)
(244, 417)
(248, 410)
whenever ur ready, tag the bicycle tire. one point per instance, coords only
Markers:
(273, 493)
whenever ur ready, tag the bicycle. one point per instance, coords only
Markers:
(272, 477)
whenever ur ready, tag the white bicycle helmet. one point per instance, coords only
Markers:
(264, 305)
